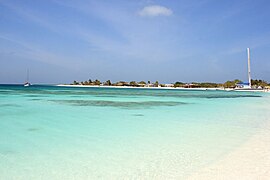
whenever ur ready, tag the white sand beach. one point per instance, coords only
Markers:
(249, 162)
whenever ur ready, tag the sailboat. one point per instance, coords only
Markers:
(27, 83)
(247, 86)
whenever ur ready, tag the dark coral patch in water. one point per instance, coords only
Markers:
(36, 99)
(120, 104)
(9, 105)
(33, 129)
(138, 115)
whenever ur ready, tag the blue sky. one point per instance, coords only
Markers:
(169, 40)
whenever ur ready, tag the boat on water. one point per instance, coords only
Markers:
(251, 89)
(247, 87)
(27, 83)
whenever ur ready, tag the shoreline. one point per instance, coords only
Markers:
(166, 88)
(131, 87)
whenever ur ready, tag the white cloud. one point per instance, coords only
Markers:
(155, 10)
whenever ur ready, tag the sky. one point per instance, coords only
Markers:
(166, 40)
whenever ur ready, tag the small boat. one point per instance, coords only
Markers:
(27, 83)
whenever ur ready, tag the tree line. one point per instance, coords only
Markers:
(227, 84)
(119, 83)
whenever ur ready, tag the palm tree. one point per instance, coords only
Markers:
(108, 82)
(156, 84)
(97, 82)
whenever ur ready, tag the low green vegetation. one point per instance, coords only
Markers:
(227, 84)
(231, 84)
(259, 82)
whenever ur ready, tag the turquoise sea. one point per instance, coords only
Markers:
(49, 132)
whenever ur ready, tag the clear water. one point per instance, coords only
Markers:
(49, 132)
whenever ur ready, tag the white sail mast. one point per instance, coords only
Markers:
(249, 76)
(27, 78)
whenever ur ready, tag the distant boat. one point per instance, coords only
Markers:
(247, 86)
(27, 83)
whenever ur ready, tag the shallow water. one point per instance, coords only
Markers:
(49, 132)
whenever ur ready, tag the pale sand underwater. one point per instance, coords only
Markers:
(251, 161)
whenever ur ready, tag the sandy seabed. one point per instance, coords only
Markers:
(251, 161)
